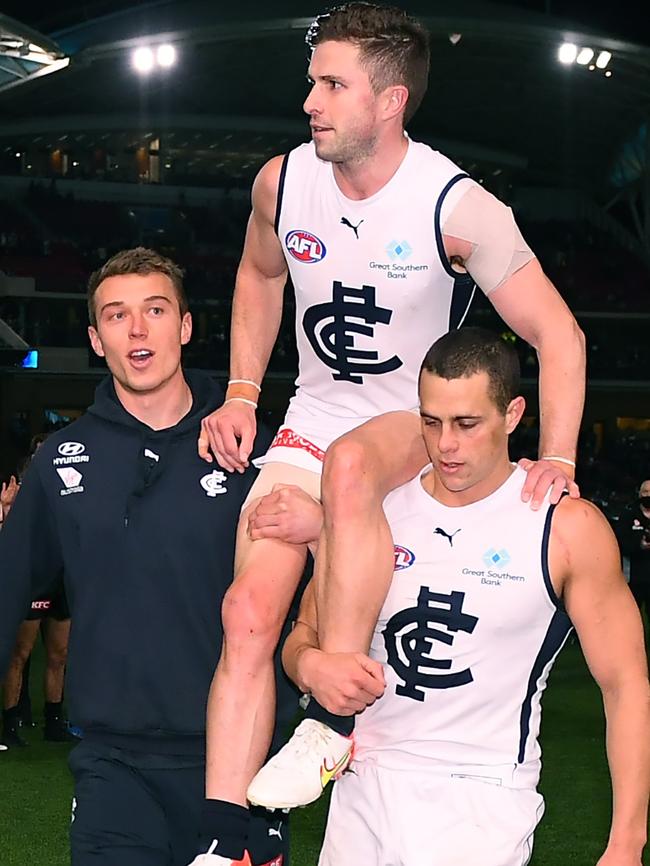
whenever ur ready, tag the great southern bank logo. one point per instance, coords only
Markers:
(305, 247)
(496, 558)
(399, 250)
(404, 558)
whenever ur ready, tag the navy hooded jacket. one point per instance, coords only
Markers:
(144, 532)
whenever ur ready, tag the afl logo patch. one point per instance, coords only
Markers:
(305, 247)
(404, 558)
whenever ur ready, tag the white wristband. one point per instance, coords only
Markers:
(558, 459)
(244, 382)
(241, 400)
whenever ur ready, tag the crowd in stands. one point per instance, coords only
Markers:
(590, 269)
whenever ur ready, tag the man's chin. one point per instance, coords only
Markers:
(140, 384)
(455, 482)
(323, 152)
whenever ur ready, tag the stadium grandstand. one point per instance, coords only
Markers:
(127, 123)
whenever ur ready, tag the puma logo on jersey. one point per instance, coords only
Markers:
(450, 538)
(355, 228)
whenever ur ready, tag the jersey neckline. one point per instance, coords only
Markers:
(361, 203)
(517, 476)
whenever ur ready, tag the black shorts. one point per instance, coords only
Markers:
(54, 606)
(139, 809)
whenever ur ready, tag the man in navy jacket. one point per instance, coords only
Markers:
(145, 535)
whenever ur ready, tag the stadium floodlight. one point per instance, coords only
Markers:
(143, 59)
(166, 56)
(603, 59)
(567, 53)
(585, 56)
(608, 74)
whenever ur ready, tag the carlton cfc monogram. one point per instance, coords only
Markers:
(331, 328)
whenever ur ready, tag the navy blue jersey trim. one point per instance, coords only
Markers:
(546, 572)
(438, 230)
(464, 287)
(278, 204)
(558, 631)
(462, 295)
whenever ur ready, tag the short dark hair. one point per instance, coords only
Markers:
(463, 353)
(142, 261)
(393, 46)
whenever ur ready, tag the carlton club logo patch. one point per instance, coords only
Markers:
(404, 558)
(213, 483)
(305, 247)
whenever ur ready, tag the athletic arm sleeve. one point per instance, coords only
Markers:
(498, 248)
(30, 559)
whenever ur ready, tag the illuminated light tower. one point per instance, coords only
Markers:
(567, 53)
(166, 56)
(585, 56)
(143, 60)
(603, 59)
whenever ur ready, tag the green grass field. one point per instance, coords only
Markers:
(36, 789)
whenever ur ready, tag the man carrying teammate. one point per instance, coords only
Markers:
(484, 594)
(384, 239)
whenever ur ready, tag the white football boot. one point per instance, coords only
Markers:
(301, 770)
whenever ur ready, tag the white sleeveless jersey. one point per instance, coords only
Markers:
(468, 634)
(373, 286)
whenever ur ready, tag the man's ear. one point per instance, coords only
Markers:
(393, 101)
(96, 342)
(514, 413)
(186, 329)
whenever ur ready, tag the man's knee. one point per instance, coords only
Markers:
(349, 474)
(56, 659)
(21, 653)
(250, 617)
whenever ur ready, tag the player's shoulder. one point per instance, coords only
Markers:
(266, 186)
(61, 448)
(270, 172)
(268, 179)
(69, 441)
(578, 523)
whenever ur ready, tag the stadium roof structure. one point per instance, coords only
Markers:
(497, 96)
(26, 54)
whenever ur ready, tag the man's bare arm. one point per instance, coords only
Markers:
(256, 314)
(534, 309)
(532, 306)
(584, 554)
(259, 287)
(303, 637)
(343, 683)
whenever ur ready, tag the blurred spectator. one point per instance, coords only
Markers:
(633, 530)
(51, 617)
